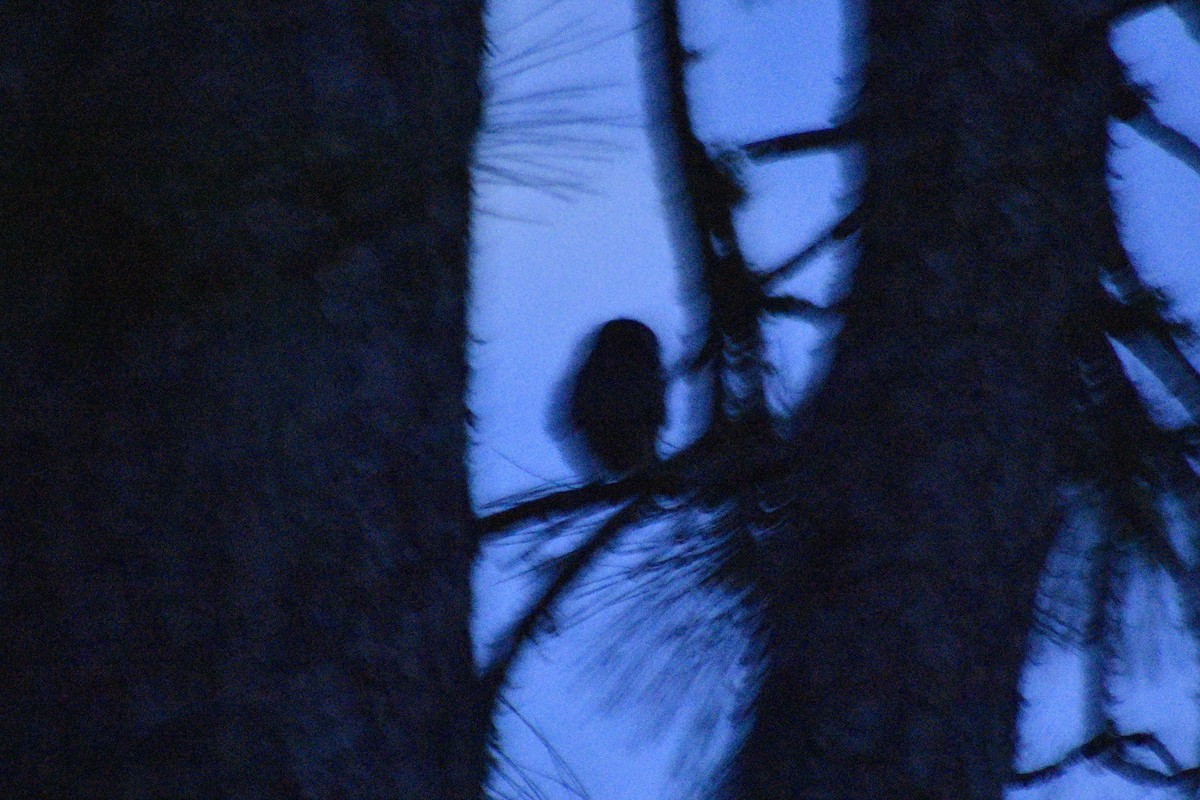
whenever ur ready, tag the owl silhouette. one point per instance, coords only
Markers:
(616, 402)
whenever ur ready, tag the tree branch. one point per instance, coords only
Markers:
(702, 466)
(719, 465)
(842, 229)
(1160, 354)
(708, 189)
(1153, 346)
(1107, 749)
(557, 503)
(803, 142)
(1146, 311)
(567, 569)
(1170, 139)
(798, 307)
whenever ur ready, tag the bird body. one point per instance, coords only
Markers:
(617, 403)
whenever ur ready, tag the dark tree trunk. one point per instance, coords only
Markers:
(934, 455)
(234, 539)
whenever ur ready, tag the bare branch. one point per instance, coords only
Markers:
(1153, 346)
(568, 501)
(791, 306)
(1151, 743)
(568, 569)
(706, 188)
(1107, 749)
(711, 466)
(1170, 139)
(836, 232)
(1160, 354)
(803, 142)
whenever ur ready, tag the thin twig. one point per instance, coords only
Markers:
(567, 779)
(568, 568)
(565, 501)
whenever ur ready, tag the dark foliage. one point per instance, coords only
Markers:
(232, 326)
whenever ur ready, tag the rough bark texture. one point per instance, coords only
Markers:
(234, 550)
(933, 456)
